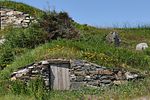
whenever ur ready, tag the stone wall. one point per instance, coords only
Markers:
(15, 18)
(82, 73)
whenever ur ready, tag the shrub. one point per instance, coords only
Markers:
(6, 56)
(17, 42)
(26, 38)
(58, 25)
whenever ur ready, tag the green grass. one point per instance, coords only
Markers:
(123, 92)
(16, 97)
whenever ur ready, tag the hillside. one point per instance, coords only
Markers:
(58, 36)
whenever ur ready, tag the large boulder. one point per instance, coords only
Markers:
(141, 46)
(113, 37)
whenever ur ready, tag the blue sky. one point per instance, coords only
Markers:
(100, 13)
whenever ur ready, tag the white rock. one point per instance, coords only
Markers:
(2, 41)
(13, 79)
(87, 77)
(10, 13)
(23, 71)
(128, 75)
(111, 37)
(31, 67)
(35, 72)
(141, 46)
(72, 77)
(87, 64)
(31, 18)
(45, 62)
(18, 13)
(26, 20)
(19, 75)
(47, 82)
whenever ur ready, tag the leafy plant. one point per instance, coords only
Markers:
(25, 38)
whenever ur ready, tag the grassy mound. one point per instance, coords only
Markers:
(92, 47)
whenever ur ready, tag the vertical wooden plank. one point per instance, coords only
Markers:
(68, 79)
(54, 74)
(65, 78)
(56, 81)
(61, 77)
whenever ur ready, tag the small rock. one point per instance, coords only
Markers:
(86, 64)
(10, 13)
(87, 78)
(35, 72)
(79, 73)
(2, 41)
(31, 67)
(113, 37)
(18, 75)
(106, 81)
(23, 71)
(141, 46)
(46, 82)
(106, 77)
(128, 75)
(119, 82)
(45, 62)
(26, 21)
(13, 79)
(72, 77)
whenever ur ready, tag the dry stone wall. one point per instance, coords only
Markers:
(15, 18)
(81, 73)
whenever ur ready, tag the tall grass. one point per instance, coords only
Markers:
(35, 90)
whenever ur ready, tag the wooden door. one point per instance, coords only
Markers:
(60, 79)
